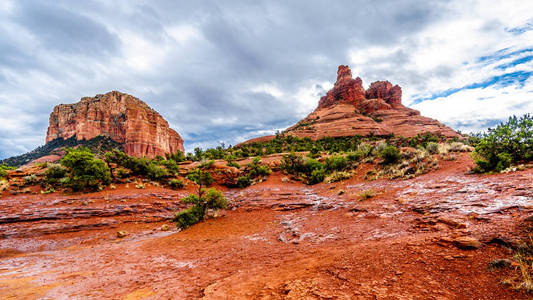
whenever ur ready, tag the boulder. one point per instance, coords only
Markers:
(467, 243)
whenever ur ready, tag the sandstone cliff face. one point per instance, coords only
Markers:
(125, 119)
(347, 110)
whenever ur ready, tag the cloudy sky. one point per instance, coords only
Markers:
(226, 71)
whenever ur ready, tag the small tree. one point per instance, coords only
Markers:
(508, 143)
(206, 199)
(210, 199)
(200, 177)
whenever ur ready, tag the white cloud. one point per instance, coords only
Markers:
(248, 68)
(468, 110)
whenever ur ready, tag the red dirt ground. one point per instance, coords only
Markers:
(278, 241)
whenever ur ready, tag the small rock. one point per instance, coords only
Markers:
(284, 179)
(340, 192)
(121, 234)
(467, 243)
(440, 227)
(165, 227)
(499, 263)
(452, 222)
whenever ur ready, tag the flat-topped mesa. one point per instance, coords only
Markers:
(123, 118)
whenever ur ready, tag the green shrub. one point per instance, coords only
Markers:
(508, 143)
(176, 183)
(377, 149)
(244, 181)
(85, 171)
(215, 199)
(177, 157)
(30, 179)
(171, 165)
(256, 170)
(53, 174)
(389, 154)
(336, 163)
(4, 169)
(123, 173)
(210, 199)
(314, 153)
(233, 164)
(188, 217)
(317, 175)
(156, 172)
(207, 165)
(364, 195)
(310, 165)
(422, 140)
(48, 191)
(292, 163)
(432, 148)
(142, 166)
(338, 176)
(200, 177)
(354, 156)
(364, 150)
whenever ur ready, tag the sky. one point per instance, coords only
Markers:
(226, 71)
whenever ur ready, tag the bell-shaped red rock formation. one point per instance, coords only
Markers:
(347, 110)
(125, 119)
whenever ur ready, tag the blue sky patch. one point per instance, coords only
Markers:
(515, 62)
(501, 54)
(518, 78)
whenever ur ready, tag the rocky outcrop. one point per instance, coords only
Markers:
(123, 118)
(348, 109)
(346, 90)
(384, 90)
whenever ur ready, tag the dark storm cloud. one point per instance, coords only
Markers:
(200, 85)
(216, 70)
(64, 30)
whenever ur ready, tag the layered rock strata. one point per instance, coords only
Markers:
(348, 109)
(125, 119)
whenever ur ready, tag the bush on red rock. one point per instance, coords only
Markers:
(84, 170)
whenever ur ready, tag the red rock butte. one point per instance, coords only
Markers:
(348, 109)
(123, 118)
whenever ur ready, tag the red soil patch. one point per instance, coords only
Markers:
(280, 240)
